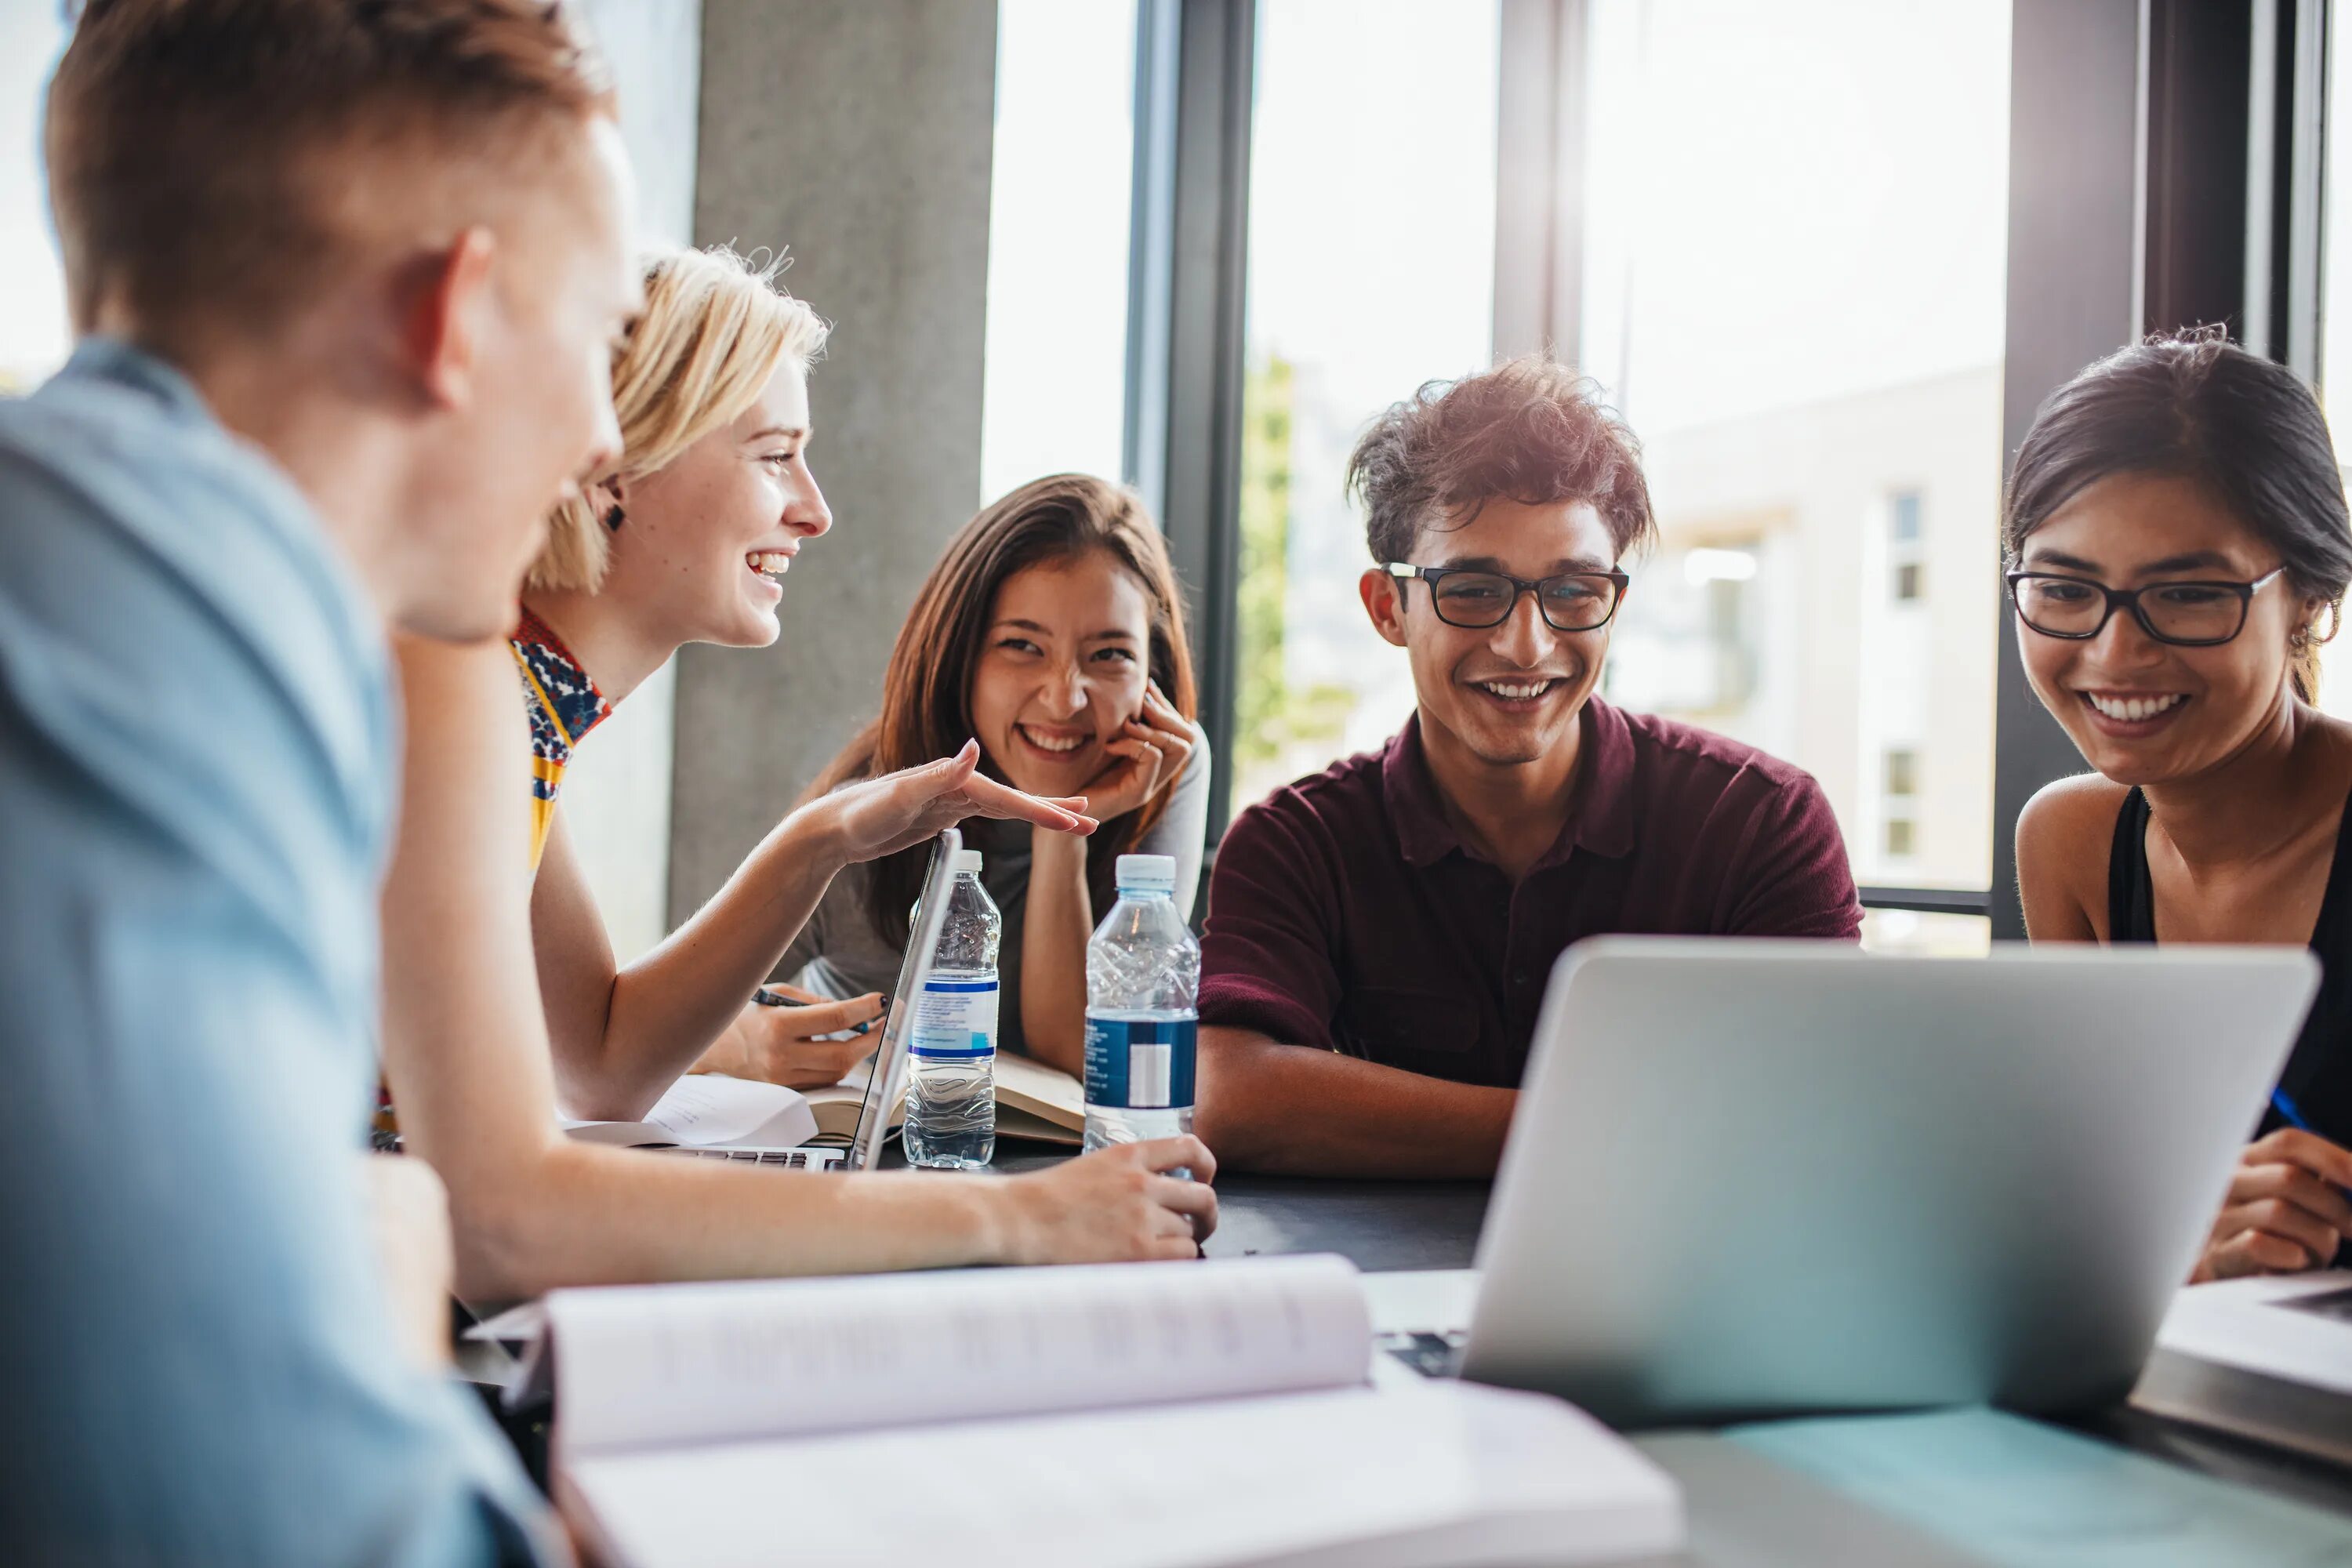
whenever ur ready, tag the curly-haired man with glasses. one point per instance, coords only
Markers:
(1379, 935)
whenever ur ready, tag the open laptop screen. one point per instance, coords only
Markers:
(890, 1058)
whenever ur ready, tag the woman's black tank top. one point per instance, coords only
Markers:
(2318, 1077)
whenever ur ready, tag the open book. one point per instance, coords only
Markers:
(711, 1110)
(1033, 1101)
(2268, 1357)
(1134, 1416)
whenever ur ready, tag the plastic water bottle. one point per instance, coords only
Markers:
(1143, 974)
(952, 1049)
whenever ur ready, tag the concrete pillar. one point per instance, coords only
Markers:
(616, 797)
(857, 133)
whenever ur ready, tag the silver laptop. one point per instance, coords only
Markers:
(888, 1069)
(1756, 1178)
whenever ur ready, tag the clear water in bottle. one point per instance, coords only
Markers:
(1143, 974)
(952, 1049)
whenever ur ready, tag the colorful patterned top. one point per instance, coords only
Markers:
(564, 706)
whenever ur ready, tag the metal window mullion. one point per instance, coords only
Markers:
(2285, 113)
(1539, 154)
(1150, 254)
(2302, 190)
(1187, 274)
(2080, 249)
(1929, 901)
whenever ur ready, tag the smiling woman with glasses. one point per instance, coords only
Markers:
(2186, 614)
(2178, 542)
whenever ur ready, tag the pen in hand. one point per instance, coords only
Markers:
(767, 999)
(2293, 1117)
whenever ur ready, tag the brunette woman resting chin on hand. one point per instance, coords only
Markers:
(2178, 544)
(1051, 630)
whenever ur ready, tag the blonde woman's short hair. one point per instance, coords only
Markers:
(714, 330)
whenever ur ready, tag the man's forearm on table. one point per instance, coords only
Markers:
(1293, 1110)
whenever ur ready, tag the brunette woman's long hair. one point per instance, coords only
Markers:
(926, 693)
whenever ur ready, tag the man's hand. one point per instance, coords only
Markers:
(879, 816)
(780, 1045)
(2287, 1211)
(410, 1210)
(1115, 1206)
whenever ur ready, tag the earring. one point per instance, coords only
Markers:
(613, 518)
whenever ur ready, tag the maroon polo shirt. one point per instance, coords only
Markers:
(1346, 913)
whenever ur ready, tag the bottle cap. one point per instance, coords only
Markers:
(967, 861)
(1148, 873)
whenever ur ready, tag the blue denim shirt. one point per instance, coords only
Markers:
(198, 770)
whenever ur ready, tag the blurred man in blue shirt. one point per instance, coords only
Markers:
(346, 277)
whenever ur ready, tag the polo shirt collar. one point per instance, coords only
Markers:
(112, 359)
(1601, 819)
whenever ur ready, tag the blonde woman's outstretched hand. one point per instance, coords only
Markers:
(880, 817)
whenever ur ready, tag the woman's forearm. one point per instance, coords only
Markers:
(1059, 919)
(582, 1214)
(671, 1005)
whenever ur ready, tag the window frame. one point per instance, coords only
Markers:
(2165, 170)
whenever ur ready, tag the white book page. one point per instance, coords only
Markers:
(1044, 1091)
(2253, 1324)
(1436, 1475)
(643, 1366)
(704, 1108)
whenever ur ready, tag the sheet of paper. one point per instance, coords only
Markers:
(703, 1109)
(642, 1365)
(1442, 1475)
(1421, 1300)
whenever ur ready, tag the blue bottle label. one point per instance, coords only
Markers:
(955, 1018)
(1141, 1063)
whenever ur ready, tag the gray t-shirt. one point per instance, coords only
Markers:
(838, 954)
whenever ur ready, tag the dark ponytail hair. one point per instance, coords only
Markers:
(2196, 406)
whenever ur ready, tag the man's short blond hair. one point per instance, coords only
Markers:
(203, 155)
(714, 330)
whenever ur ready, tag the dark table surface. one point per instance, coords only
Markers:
(1743, 1510)
(1383, 1226)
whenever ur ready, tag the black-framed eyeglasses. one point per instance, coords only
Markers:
(2186, 614)
(1569, 602)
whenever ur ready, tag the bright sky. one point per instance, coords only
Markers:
(1793, 202)
(1057, 241)
(32, 293)
(1372, 237)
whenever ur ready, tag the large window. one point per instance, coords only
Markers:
(1793, 277)
(1371, 268)
(1058, 218)
(1780, 237)
(33, 334)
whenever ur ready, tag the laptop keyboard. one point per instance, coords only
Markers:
(1431, 1355)
(786, 1159)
